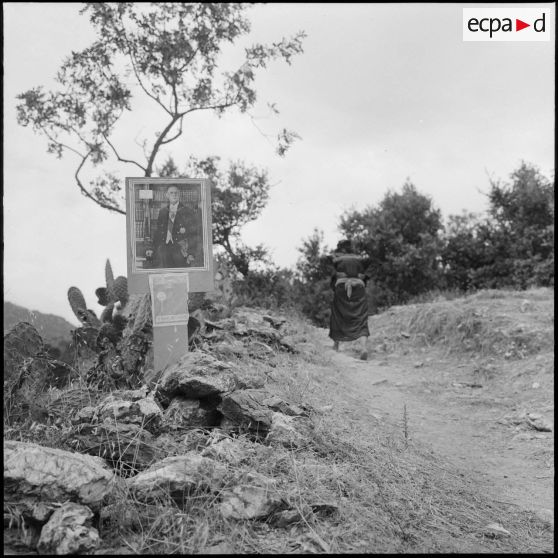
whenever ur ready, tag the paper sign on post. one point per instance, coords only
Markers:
(169, 298)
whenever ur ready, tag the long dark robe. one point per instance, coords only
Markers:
(349, 316)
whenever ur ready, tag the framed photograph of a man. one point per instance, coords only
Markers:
(169, 229)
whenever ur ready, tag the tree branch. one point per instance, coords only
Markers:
(47, 134)
(178, 134)
(209, 107)
(120, 158)
(86, 193)
(136, 73)
(158, 143)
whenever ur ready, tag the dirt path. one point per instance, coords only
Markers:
(468, 425)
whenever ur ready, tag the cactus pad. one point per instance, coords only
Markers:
(88, 318)
(109, 276)
(120, 290)
(77, 302)
(103, 296)
(106, 314)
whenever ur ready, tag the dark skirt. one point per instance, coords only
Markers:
(349, 317)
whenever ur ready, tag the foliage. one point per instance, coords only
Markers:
(120, 338)
(412, 254)
(401, 237)
(168, 52)
(514, 245)
(270, 288)
(312, 287)
(306, 289)
(239, 193)
(313, 263)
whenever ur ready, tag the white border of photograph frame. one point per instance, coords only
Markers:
(161, 184)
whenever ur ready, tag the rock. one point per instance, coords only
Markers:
(222, 324)
(466, 384)
(253, 410)
(41, 512)
(191, 413)
(289, 431)
(87, 414)
(127, 446)
(277, 404)
(288, 343)
(250, 317)
(254, 497)
(246, 409)
(248, 322)
(258, 349)
(178, 476)
(53, 474)
(538, 422)
(275, 321)
(324, 509)
(229, 348)
(131, 394)
(495, 531)
(418, 365)
(144, 412)
(286, 518)
(122, 515)
(195, 376)
(69, 531)
(228, 450)
(536, 385)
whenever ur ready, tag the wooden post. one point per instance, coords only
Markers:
(169, 308)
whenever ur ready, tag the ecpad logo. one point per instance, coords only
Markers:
(506, 24)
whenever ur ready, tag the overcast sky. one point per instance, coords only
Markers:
(382, 93)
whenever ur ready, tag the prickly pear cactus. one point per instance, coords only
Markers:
(103, 296)
(77, 301)
(120, 290)
(109, 276)
(122, 337)
(83, 314)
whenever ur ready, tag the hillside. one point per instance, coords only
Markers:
(53, 329)
(440, 443)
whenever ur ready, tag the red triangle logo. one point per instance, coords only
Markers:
(519, 25)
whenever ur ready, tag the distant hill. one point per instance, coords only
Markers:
(53, 329)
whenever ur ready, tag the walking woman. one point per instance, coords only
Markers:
(349, 308)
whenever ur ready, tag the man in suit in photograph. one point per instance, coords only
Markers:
(177, 240)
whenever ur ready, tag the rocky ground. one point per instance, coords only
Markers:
(263, 439)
